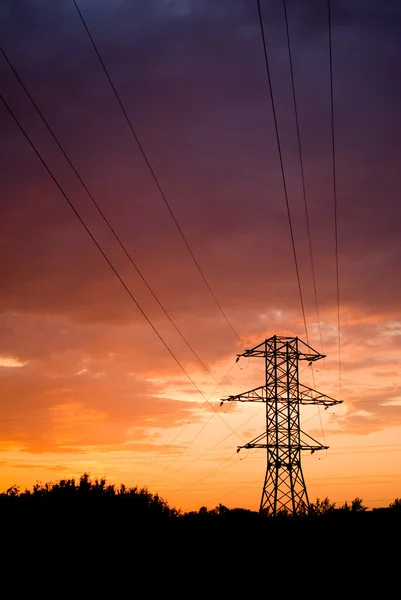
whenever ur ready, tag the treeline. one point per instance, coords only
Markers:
(69, 499)
(69, 502)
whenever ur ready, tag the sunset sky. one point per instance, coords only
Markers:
(116, 331)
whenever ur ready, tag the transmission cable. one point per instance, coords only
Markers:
(219, 384)
(108, 260)
(111, 229)
(302, 172)
(282, 167)
(335, 193)
(283, 173)
(152, 172)
(304, 195)
(184, 428)
(231, 492)
(190, 462)
(219, 468)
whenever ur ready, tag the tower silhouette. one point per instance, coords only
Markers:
(284, 486)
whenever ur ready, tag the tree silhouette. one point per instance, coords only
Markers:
(321, 507)
(84, 505)
(396, 505)
(356, 506)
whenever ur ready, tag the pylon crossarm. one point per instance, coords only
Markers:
(314, 449)
(255, 443)
(312, 445)
(256, 395)
(312, 355)
(259, 350)
(280, 345)
(249, 446)
(308, 395)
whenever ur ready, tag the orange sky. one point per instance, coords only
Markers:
(86, 383)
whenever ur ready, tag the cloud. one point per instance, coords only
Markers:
(11, 363)
(49, 407)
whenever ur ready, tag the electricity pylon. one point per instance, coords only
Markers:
(284, 488)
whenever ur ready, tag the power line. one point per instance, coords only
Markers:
(231, 492)
(254, 457)
(205, 452)
(251, 457)
(153, 174)
(111, 229)
(335, 194)
(283, 173)
(304, 194)
(251, 483)
(219, 468)
(160, 475)
(198, 456)
(363, 452)
(182, 431)
(190, 462)
(302, 172)
(219, 384)
(107, 259)
(282, 167)
(224, 465)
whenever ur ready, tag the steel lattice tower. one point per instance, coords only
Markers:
(284, 487)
